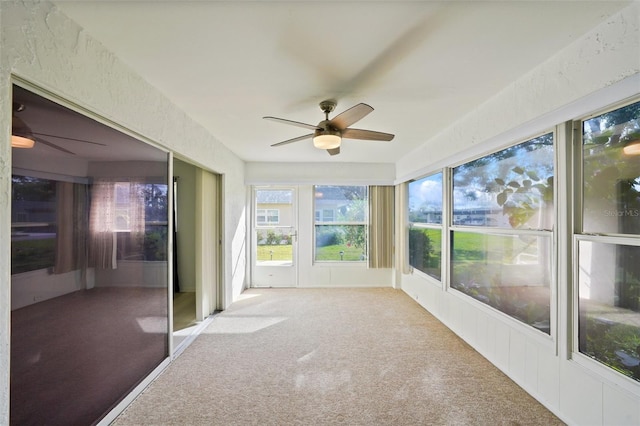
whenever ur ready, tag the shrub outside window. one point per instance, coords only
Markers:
(425, 230)
(608, 247)
(341, 230)
(502, 227)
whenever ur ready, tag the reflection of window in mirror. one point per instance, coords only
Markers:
(611, 184)
(33, 223)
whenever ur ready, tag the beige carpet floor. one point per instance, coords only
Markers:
(331, 356)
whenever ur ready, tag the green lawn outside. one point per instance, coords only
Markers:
(471, 246)
(29, 255)
(328, 253)
(280, 252)
(332, 253)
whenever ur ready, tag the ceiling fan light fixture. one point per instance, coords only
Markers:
(326, 139)
(21, 136)
(632, 148)
(21, 142)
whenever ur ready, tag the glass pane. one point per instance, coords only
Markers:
(611, 147)
(512, 188)
(341, 243)
(425, 250)
(425, 200)
(609, 321)
(89, 288)
(274, 227)
(342, 203)
(508, 272)
(33, 224)
(274, 246)
(154, 246)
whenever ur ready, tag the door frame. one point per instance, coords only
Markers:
(276, 275)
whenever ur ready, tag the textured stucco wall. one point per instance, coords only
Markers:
(606, 55)
(40, 45)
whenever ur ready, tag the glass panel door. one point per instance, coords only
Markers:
(274, 237)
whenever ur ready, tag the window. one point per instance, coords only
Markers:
(136, 212)
(502, 229)
(342, 234)
(425, 230)
(267, 216)
(156, 214)
(608, 277)
(33, 223)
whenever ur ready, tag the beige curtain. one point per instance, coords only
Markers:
(116, 205)
(381, 223)
(71, 225)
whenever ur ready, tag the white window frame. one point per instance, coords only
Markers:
(450, 228)
(578, 235)
(267, 214)
(441, 227)
(335, 222)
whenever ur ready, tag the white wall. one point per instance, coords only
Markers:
(35, 286)
(42, 46)
(319, 173)
(149, 169)
(601, 68)
(133, 273)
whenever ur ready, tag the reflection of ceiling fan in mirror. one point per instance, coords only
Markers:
(23, 137)
(328, 134)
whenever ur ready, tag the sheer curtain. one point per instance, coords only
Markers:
(381, 208)
(117, 205)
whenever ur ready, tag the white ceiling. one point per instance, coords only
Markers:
(421, 65)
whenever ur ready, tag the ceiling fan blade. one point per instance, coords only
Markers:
(54, 146)
(293, 123)
(406, 44)
(366, 135)
(69, 139)
(350, 116)
(299, 138)
(334, 151)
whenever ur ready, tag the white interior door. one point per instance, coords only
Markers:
(274, 237)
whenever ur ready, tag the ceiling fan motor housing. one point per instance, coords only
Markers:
(325, 128)
(328, 106)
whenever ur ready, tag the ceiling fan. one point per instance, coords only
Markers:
(328, 134)
(23, 137)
